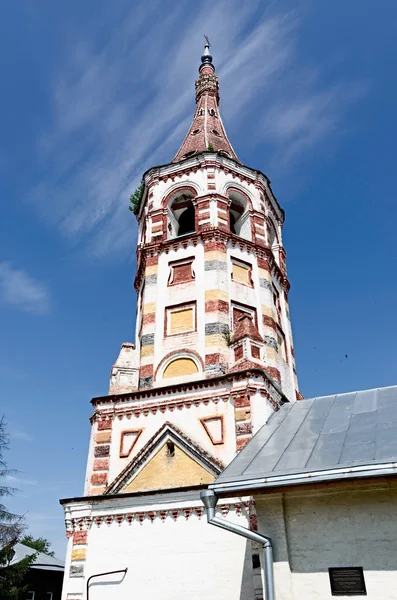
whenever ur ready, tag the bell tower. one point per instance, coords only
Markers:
(213, 358)
(209, 253)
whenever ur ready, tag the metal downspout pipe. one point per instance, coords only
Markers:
(210, 499)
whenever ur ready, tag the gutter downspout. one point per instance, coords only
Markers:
(210, 499)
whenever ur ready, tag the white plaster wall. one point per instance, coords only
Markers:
(170, 560)
(166, 560)
(313, 531)
(261, 410)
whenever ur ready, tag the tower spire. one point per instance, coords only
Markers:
(206, 58)
(206, 131)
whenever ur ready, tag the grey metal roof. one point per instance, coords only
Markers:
(330, 437)
(42, 561)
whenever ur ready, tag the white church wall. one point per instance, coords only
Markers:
(347, 526)
(174, 556)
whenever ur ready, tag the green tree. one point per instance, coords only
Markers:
(40, 544)
(135, 199)
(11, 527)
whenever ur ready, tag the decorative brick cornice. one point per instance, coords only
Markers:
(211, 382)
(210, 234)
(186, 512)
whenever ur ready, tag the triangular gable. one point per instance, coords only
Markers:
(168, 460)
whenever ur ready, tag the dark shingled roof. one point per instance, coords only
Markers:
(305, 440)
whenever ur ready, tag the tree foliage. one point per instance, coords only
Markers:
(12, 575)
(11, 528)
(11, 525)
(135, 199)
(40, 544)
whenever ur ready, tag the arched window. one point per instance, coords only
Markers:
(239, 216)
(181, 215)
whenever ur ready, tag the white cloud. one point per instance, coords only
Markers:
(19, 434)
(21, 290)
(16, 481)
(124, 106)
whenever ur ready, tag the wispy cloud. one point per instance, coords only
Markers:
(19, 434)
(19, 482)
(124, 106)
(19, 289)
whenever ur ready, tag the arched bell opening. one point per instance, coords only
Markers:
(186, 221)
(273, 240)
(239, 219)
(181, 215)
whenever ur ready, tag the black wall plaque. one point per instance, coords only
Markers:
(347, 581)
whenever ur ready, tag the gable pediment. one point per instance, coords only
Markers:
(169, 460)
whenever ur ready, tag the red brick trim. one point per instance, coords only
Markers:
(274, 373)
(127, 454)
(105, 425)
(217, 305)
(203, 422)
(99, 479)
(80, 537)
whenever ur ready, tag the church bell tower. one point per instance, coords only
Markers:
(213, 358)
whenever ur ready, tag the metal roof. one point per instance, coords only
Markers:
(320, 439)
(42, 561)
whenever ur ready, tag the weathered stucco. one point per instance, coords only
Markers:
(335, 526)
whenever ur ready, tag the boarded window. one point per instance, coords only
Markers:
(240, 309)
(179, 367)
(181, 319)
(181, 272)
(241, 273)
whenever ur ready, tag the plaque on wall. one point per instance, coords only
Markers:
(347, 581)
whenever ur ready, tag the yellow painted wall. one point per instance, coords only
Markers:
(180, 366)
(181, 320)
(164, 471)
(147, 351)
(216, 295)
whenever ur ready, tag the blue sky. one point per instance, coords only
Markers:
(94, 93)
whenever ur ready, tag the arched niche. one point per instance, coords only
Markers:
(239, 217)
(180, 367)
(183, 365)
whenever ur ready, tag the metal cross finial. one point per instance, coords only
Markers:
(207, 41)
